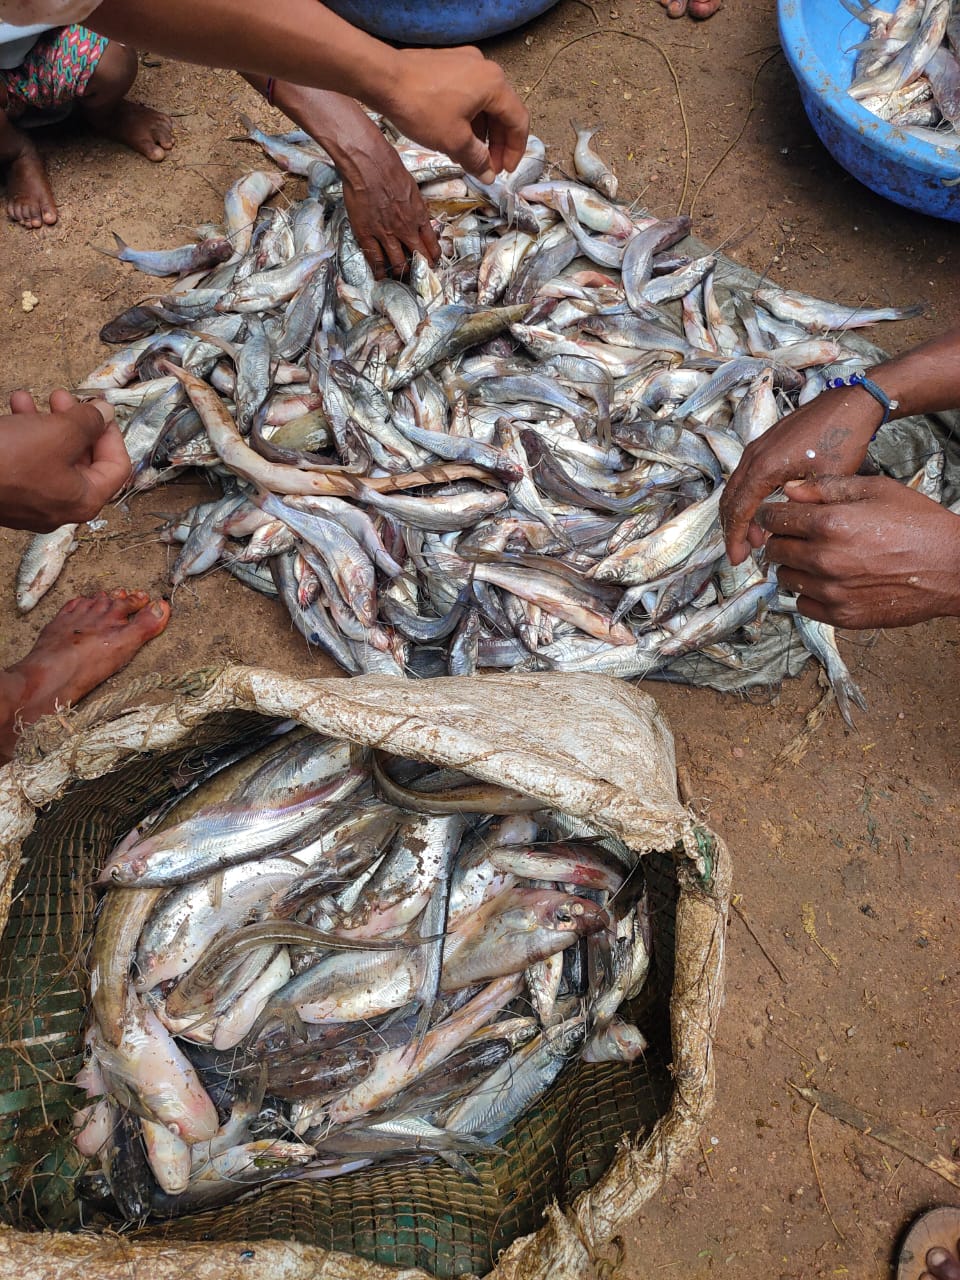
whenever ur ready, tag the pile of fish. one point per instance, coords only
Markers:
(512, 461)
(314, 959)
(907, 69)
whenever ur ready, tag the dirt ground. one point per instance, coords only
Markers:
(842, 958)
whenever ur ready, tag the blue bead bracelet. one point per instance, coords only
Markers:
(881, 397)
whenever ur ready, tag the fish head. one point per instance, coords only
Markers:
(560, 912)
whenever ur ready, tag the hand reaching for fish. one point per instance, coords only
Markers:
(864, 551)
(827, 437)
(62, 466)
(389, 218)
(458, 102)
(830, 435)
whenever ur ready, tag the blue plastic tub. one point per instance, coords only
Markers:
(434, 22)
(817, 36)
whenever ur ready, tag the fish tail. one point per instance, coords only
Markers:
(246, 123)
(579, 128)
(847, 692)
(118, 252)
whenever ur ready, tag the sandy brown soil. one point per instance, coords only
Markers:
(846, 863)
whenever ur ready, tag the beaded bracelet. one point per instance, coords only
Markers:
(881, 397)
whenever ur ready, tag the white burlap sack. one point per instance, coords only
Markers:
(595, 748)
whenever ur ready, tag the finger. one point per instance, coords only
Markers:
(374, 254)
(396, 254)
(795, 519)
(474, 156)
(429, 242)
(508, 126)
(831, 489)
(797, 583)
(110, 468)
(745, 490)
(81, 426)
(795, 553)
(22, 402)
(756, 536)
(62, 401)
(815, 609)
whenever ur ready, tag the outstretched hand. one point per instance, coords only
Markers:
(459, 102)
(389, 218)
(60, 467)
(864, 552)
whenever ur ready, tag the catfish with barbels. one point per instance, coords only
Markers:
(200, 256)
(455, 484)
(820, 316)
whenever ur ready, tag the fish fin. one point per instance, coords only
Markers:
(848, 694)
(250, 127)
(117, 253)
(457, 1162)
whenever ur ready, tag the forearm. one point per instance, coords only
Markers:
(298, 40)
(337, 122)
(925, 379)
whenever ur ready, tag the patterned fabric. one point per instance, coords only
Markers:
(56, 72)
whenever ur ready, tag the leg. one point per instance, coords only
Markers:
(104, 106)
(89, 640)
(29, 197)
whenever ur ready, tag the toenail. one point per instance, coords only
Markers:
(936, 1257)
(157, 610)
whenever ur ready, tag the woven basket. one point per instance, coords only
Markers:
(572, 1172)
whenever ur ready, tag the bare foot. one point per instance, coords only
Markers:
(930, 1250)
(29, 195)
(942, 1265)
(698, 9)
(140, 128)
(89, 640)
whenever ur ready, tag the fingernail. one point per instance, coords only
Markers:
(487, 176)
(794, 484)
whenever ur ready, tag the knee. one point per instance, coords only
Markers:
(115, 73)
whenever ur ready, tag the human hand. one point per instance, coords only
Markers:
(60, 467)
(827, 437)
(458, 102)
(389, 218)
(864, 551)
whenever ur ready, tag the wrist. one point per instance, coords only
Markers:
(379, 80)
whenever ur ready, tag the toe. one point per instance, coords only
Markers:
(676, 8)
(700, 10)
(150, 620)
(941, 1265)
(49, 214)
(124, 603)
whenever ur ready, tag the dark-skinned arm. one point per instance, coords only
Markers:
(387, 213)
(830, 435)
(453, 100)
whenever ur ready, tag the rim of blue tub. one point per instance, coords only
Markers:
(896, 146)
